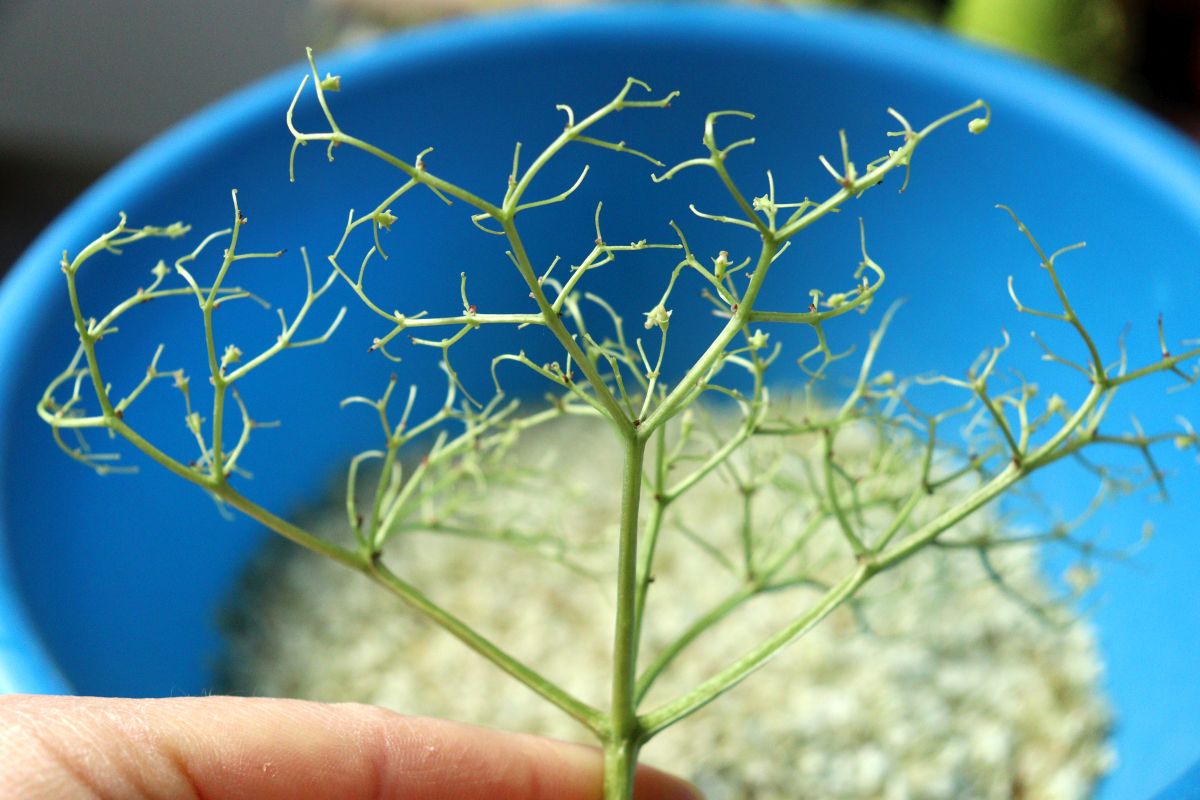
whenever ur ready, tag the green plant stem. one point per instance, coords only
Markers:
(220, 489)
(653, 528)
(88, 341)
(227, 494)
(624, 734)
(218, 379)
(1054, 449)
(683, 391)
(663, 717)
(1167, 363)
(620, 764)
(901, 156)
(710, 618)
(750, 588)
(591, 718)
(420, 175)
(556, 326)
(835, 504)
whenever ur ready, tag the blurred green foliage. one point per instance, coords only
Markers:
(1087, 37)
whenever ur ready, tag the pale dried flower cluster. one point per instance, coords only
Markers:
(934, 684)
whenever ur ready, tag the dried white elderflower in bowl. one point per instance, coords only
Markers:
(935, 683)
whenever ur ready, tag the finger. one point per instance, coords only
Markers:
(225, 748)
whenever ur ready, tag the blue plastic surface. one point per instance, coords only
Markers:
(109, 586)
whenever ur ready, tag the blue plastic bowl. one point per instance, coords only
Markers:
(108, 585)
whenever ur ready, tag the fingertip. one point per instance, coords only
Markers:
(233, 747)
(654, 784)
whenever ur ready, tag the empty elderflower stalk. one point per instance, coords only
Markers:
(667, 452)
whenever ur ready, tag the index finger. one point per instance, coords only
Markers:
(228, 748)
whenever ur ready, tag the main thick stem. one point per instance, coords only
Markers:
(620, 764)
(625, 735)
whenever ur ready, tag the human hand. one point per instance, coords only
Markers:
(222, 748)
